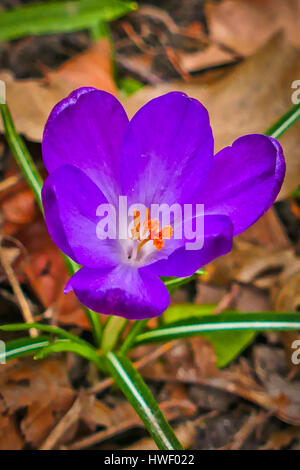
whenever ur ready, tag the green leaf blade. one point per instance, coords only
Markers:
(60, 332)
(142, 400)
(228, 345)
(111, 333)
(223, 322)
(284, 122)
(173, 283)
(23, 347)
(58, 17)
(68, 346)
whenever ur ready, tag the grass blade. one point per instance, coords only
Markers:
(227, 344)
(172, 283)
(142, 400)
(60, 332)
(223, 322)
(69, 346)
(57, 17)
(135, 330)
(112, 332)
(22, 347)
(284, 122)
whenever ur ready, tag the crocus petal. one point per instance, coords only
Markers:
(70, 200)
(167, 151)
(244, 180)
(218, 233)
(86, 130)
(124, 291)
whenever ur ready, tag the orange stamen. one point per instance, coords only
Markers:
(136, 225)
(166, 232)
(158, 243)
(152, 228)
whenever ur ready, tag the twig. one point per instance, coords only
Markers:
(159, 15)
(26, 312)
(64, 424)
(116, 429)
(228, 298)
(173, 58)
(245, 431)
(10, 182)
(135, 38)
(103, 435)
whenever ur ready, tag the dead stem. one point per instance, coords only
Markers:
(22, 301)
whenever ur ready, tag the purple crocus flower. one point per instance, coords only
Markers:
(165, 154)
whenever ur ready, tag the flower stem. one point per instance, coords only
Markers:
(112, 332)
(35, 181)
(135, 330)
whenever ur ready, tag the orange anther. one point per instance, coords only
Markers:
(136, 225)
(166, 232)
(151, 231)
(158, 243)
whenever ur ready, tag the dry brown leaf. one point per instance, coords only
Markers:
(245, 25)
(287, 296)
(267, 231)
(20, 208)
(235, 380)
(246, 101)
(97, 414)
(259, 255)
(47, 275)
(31, 100)
(281, 439)
(92, 67)
(185, 432)
(10, 437)
(205, 357)
(42, 388)
(212, 56)
(272, 368)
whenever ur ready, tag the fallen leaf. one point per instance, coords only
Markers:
(31, 100)
(248, 100)
(185, 432)
(211, 56)
(259, 256)
(281, 439)
(42, 389)
(245, 25)
(47, 274)
(10, 436)
(287, 293)
(92, 67)
(20, 208)
(267, 231)
(272, 368)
